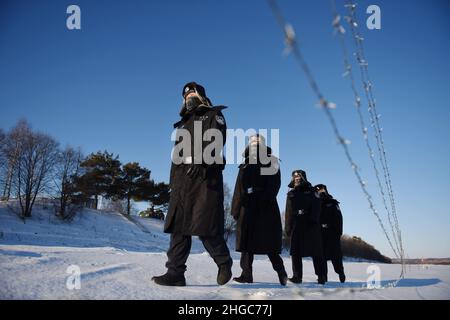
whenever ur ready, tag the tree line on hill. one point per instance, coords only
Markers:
(32, 165)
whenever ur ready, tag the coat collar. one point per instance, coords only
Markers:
(198, 111)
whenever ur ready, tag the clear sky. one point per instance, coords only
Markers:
(115, 84)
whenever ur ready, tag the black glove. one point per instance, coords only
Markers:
(196, 170)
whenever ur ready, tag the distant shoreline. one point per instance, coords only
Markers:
(436, 261)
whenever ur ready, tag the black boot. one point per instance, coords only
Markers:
(244, 279)
(342, 277)
(224, 274)
(169, 279)
(321, 280)
(282, 277)
(296, 279)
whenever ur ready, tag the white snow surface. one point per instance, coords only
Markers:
(118, 257)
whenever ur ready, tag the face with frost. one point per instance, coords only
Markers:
(192, 100)
(297, 178)
(254, 143)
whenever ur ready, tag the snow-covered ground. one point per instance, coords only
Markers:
(117, 259)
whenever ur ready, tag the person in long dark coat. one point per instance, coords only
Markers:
(256, 210)
(331, 224)
(302, 225)
(196, 183)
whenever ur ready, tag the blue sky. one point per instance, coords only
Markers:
(115, 84)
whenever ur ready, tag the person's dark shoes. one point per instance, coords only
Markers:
(282, 277)
(295, 279)
(321, 280)
(244, 279)
(224, 275)
(342, 277)
(168, 279)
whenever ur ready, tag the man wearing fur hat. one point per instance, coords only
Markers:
(331, 225)
(302, 225)
(196, 198)
(256, 210)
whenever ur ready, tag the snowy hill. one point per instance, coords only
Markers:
(117, 258)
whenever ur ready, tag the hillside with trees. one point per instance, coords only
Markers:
(34, 165)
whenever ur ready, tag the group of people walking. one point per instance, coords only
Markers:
(313, 220)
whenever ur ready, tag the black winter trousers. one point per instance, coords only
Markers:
(320, 265)
(337, 265)
(180, 247)
(247, 262)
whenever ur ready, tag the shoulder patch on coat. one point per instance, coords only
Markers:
(220, 119)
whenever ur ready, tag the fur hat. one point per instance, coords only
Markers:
(302, 174)
(320, 186)
(193, 87)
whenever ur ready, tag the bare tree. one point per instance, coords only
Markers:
(2, 158)
(11, 152)
(67, 168)
(36, 159)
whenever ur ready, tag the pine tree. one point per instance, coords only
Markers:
(160, 195)
(133, 184)
(101, 170)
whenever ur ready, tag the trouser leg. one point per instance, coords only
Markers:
(338, 265)
(247, 263)
(217, 249)
(319, 265)
(297, 265)
(179, 249)
(277, 261)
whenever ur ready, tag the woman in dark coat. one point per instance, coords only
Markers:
(331, 224)
(256, 210)
(303, 226)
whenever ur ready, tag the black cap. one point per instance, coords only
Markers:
(321, 186)
(193, 87)
(301, 173)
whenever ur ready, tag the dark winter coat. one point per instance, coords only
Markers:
(303, 221)
(196, 203)
(331, 224)
(258, 229)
